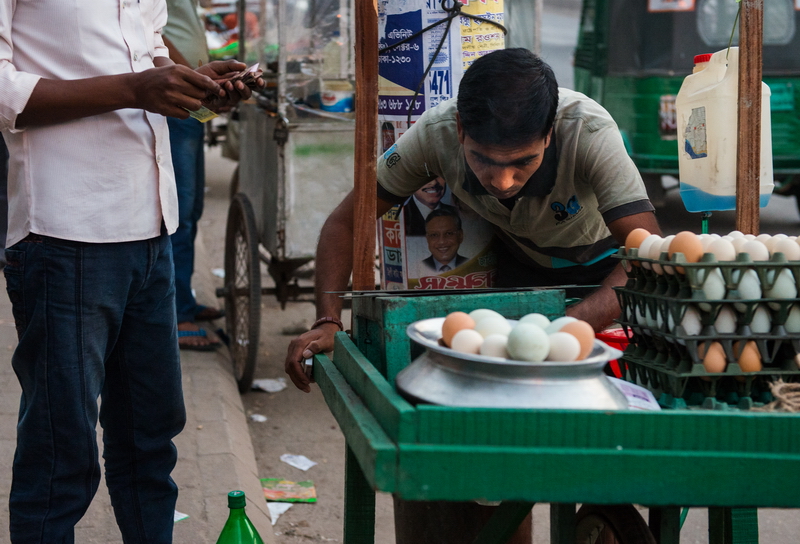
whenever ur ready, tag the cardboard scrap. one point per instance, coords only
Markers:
(277, 489)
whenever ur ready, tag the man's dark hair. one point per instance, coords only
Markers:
(444, 212)
(508, 97)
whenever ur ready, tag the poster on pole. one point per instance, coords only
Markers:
(431, 241)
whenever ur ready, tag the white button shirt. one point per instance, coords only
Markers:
(105, 178)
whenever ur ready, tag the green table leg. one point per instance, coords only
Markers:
(503, 523)
(732, 525)
(562, 523)
(359, 504)
(665, 524)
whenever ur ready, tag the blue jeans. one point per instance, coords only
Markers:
(186, 138)
(94, 320)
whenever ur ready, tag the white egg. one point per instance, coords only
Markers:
(664, 248)
(783, 287)
(750, 236)
(725, 322)
(763, 238)
(691, 322)
(713, 288)
(789, 248)
(480, 313)
(646, 245)
(749, 287)
(652, 322)
(736, 234)
(728, 237)
(792, 323)
(739, 242)
(705, 240)
(528, 342)
(494, 345)
(556, 324)
(493, 324)
(541, 320)
(761, 323)
(639, 318)
(467, 341)
(563, 347)
(722, 250)
(757, 250)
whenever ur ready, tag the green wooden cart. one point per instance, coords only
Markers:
(731, 461)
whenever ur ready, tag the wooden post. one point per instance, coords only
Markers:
(366, 144)
(748, 162)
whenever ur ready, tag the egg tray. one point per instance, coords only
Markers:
(675, 390)
(643, 309)
(689, 284)
(665, 357)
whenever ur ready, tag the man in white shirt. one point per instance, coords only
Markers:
(84, 88)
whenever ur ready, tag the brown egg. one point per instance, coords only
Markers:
(453, 323)
(714, 358)
(689, 244)
(750, 358)
(634, 240)
(585, 335)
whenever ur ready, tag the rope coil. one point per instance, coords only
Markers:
(787, 398)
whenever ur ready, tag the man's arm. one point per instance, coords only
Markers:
(601, 308)
(334, 264)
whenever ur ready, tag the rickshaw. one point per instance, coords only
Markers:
(633, 55)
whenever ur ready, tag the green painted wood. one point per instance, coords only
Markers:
(359, 503)
(658, 478)
(718, 525)
(665, 524)
(562, 523)
(744, 526)
(375, 451)
(395, 415)
(379, 323)
(504, 522)
(739, 432)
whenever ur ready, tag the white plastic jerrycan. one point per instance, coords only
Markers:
(706, 107)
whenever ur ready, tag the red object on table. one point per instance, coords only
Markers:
(616, 338)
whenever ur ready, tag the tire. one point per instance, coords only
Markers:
(611, 524)
(234, 186)
(242, 290)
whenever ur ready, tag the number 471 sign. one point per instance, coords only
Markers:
(439, 83)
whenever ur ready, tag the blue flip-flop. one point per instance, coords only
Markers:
(211, 346)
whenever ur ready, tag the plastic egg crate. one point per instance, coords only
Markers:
(665, 340)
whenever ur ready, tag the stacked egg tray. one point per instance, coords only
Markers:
(663, 356)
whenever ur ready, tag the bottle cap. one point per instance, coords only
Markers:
(705, 57)
(236, 499)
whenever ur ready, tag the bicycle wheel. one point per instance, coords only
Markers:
(611, 524)
(242, 290)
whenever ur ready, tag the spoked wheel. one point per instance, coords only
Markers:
(611, 524)
(242, 290)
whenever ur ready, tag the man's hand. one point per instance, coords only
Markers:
(305, 346)
(173, 89)
(221, 71)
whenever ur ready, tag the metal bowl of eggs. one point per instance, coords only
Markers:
(447, 377)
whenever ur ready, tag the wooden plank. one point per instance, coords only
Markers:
(394, 414)
(359, 503)
(376, 453)
(366, 144)
(692, 431)
(748, 164)
(665, 524)
(562, 523)
(657, 478)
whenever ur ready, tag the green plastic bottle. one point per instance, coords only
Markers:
(238, 529)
